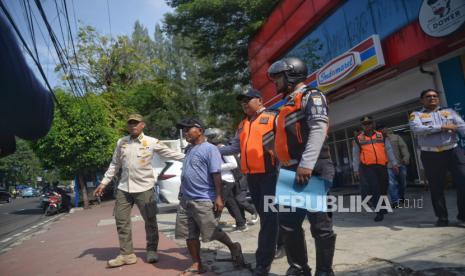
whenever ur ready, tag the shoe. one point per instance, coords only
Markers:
(122, 260)
(280, 252)
(152, 256)
(242, 228)
(261, 271)
(236, 256)
(379, 217)
(255, 218)
(442, 223)
(294, 270)
(395, 205)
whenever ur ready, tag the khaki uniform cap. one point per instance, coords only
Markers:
(135, 117)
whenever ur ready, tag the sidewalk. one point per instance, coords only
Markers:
(406, 243)
(80, 244)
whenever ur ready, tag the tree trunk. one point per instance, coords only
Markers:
(82, 185)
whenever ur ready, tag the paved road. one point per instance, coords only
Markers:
(18, 219)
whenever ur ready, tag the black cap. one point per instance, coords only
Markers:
(188, 123)
(250, 93)
(366, 119)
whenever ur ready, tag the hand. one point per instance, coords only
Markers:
(100, 189)
(219, 205)
(303, 175)
(395, 169)
(449, 127)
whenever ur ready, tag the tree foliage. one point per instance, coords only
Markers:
(82, 138)
(219, 30)
(21, 167)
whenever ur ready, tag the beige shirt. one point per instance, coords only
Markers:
(134, 157)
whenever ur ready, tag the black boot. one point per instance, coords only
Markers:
(324, 256)
(296, 250)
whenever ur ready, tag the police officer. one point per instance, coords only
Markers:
(134, 154)
(371, 153)
(254, 140)
(301, 129)
(436, 129)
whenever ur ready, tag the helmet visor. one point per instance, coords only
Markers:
(278, 67)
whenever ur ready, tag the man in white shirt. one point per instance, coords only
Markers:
(133, 155)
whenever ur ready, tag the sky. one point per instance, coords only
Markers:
(115, 17)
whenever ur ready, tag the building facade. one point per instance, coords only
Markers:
(370, 57)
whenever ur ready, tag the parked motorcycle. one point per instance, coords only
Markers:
(51, 203)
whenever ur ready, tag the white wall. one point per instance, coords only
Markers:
(387, 94)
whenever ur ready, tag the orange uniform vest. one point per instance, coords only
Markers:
(256, 138)
(292, 131)
(372, 151)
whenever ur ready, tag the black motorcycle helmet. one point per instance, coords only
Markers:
(294, 70)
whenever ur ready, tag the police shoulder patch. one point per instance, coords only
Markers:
(264, 120)
(317, 100)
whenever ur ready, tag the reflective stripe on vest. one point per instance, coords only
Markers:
(291, 131)
(372, 150)
(257, 139)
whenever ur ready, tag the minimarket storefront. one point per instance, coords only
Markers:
(370, 57)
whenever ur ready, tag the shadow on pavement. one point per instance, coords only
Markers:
(388, 268)
(167, 260)
(35, 211)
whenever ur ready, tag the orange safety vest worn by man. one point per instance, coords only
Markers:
(254, 140)
(372, 149)
(371, 153)
(256, 137)
(301, 130)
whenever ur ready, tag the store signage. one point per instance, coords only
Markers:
(441, 17)
(338, 68)
(358, 61)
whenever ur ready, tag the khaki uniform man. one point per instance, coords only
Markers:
(134, 154)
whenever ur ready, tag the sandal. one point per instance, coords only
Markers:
(237, 257)
(192, 271)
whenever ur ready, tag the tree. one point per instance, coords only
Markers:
(81, 140)
(219, 30)
(21, 167)
(106, 63)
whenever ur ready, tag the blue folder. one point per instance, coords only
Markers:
(311, 196)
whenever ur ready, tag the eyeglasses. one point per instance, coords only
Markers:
(431, 97)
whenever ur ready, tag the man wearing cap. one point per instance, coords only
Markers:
(133, 155)
(371, 153)
(201, 197)
(254, 141)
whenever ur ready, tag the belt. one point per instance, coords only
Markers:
(440, 148)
